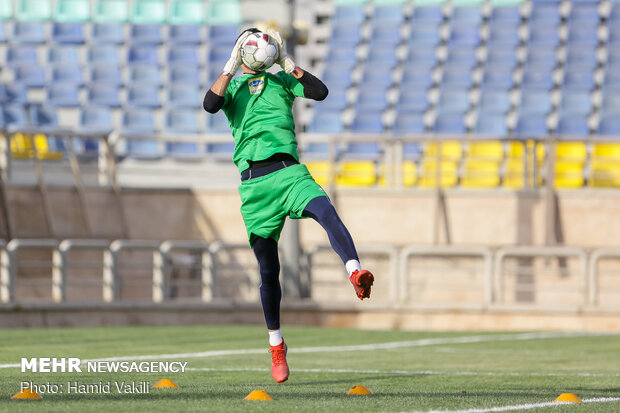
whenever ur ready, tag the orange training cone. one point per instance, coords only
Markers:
(165, 384)
(26, 394)
(567, 398)
(359, 390)
(258, 395)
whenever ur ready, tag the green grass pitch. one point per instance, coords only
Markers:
(446, 374)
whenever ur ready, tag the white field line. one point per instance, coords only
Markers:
(408, 372)
(360, 347)
(527, 406)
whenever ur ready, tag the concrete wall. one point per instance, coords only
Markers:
(585, 218)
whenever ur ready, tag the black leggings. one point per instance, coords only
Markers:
(266, 251)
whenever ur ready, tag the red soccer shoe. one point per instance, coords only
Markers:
(362, 281)
(279, 368)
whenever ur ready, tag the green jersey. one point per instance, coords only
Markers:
(259, 111)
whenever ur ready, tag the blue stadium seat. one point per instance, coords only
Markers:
(223, 35)
(461, 56)
(144, 75)
(494, 101)
(182, 121)
(140, 122)
(466, 16)
(503, 38)
(326, 122)
(544, 37)
(4, 37)
(422, 36)
(29, 33)
(185, 35)
(542, 80)
(105, 55)
(372, 99)
(531, 126)
(336, 101)
(43, 115)
(386, 36)
(573, 125)
(579, 80)
(351, 15)
(184, 74)
(535, 102)
(540, 60)
(145, 34)
(30, 75)
(449, 123)
(612, 80)
(361, 150)
(95, 120)
(109, 76)
(453, 101)
(15, 117)
(63, 95)
(104, 94)
(505, 16)
(409, 123)
(182, 55)
(218, 55)
(580, 37)
(611, 103)
(609, 126)
(143, 96)
(107, 33)
(575, 102)
(416, 78)
(217, 123)
(143, 55)
(491, 123)
(367, 121)
(68, 33)
(13, 93)
(580, 59)
(184, 96)
(463, 36)
(377, 76)
(343, 36)
(412, 100)
(66, 55)
(545, 15)
(67, 75)
(456, 77)
(427, 16)
(424, 59)
(497, 80)
(584, 14)
(389, 14)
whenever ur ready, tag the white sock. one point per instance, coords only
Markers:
(275, 337)
(352, 266)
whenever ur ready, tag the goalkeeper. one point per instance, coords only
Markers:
(274, 184)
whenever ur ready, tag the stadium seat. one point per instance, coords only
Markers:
(104, 56)
(140, 122)
(66, 11)
(107, 33)
(185, 75)
(367, 122)
(453, 101)
(66, 55)
(217, 123)
(104, 94)
(148, 12)
(47, 145)
(146, 55)
(497, 80)
(445, 168)
(67, 75)
(221, 12)
(579, 80)
(13, 93)
(184, 96)
(462, 16)
(605, 165)
(182, 55)
(388, 14)
(456, 77)
(573, 124)
(222, 34)
(482, 164)
(32, 76)
(348, 15)
(186, 12)
(143, 96)
(144, 75)
(63, 95)
(4, 37)
(182, 122)
(29, 33)
(15, 117)
(68, 33)
(427, 15)
(326, 122)
(107, 76)
(449, 123)
(531, 126)
(110, 11)
(185, 35)
(575, 102)
(494, 101)
(535, 102)
(320, 171)
(95, 120)
(409, 123)
(491, 123)
(33, 10)
(542, 80)
(21, 55)
(371, 99)
(423, 37)
(611, 103)
(609, 125)
(336, 101)
(145, 34)
(569, 164)
(412, 100)
(356, 173)
(345, 37)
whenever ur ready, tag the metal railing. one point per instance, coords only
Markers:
(492, 270)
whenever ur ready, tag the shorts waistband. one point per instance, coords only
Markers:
(265, 169)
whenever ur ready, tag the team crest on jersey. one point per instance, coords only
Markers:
(256, 85)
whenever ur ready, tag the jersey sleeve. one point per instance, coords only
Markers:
(292, 84)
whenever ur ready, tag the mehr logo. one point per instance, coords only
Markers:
(256, 85)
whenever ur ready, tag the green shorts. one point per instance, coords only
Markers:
(266, 201)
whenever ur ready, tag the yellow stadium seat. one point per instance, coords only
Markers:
(605, 165)
(514, 174)
(409, 174)
(357, 173)
(570, 160)
(482, 164)
(451, 153)
(23, 147)
(320, 171)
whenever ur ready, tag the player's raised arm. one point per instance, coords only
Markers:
(214, 99)
(313, 87)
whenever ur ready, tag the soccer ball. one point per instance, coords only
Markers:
(259, 51)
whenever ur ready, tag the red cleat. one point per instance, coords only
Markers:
(362, 281)
(279, 368)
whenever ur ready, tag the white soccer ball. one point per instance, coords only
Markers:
(259, 51)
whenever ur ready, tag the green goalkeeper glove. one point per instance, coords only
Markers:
(283, 60)
(232, 65)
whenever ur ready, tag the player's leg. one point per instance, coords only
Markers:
(266, 252)
(321, 210)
